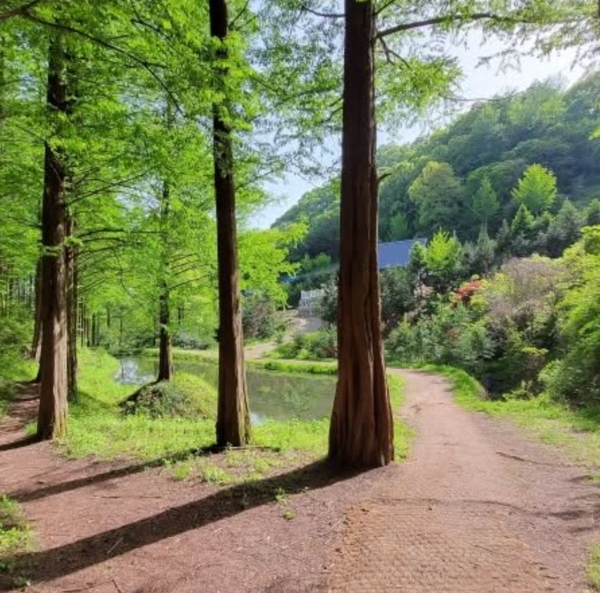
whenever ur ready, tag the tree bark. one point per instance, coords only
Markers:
(361, 432)
(165, 356)
(233, 416)
(52, 417)
(72, 305)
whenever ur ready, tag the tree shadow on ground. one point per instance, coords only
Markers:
(37, 493)
(228, 502)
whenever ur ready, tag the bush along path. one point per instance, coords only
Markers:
(477, 508)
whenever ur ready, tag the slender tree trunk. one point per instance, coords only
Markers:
(72, 296)
(34, 353)
(361, 432)
(52, 418)
(165, 357)
(233, 416)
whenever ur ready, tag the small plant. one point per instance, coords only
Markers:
(213, 474)
(181, 471)
(281, 496)
(289, 514)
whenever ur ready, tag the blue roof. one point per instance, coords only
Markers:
(397, 253)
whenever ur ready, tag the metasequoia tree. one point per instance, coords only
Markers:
(52, 418)
(233, 416)
(361, 430)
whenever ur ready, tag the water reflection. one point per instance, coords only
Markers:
(273, 396)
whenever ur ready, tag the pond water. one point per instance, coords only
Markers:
(273, 396)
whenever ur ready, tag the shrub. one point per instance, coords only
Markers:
(314, 345)
(259, 316)
(186, 396)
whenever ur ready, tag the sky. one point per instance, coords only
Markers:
(479, 82)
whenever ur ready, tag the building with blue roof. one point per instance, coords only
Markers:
(396, 254)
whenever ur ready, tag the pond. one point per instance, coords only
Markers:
(273, 395)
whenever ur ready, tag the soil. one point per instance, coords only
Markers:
(476, 508)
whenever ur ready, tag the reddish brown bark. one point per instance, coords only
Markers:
(361, 432)
(52, 418)
(233, 416)
(165, 354)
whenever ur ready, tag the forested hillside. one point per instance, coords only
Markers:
(463, 176)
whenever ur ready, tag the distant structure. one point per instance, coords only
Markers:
(309, 301)
(396, 254)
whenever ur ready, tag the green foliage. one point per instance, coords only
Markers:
(327, 309)
(536, 189)
(485, 203)
(16, 537)
(546, 124)
(317, 345)
(438, 194)
(259, 316)
(481, 256)
(443, 260)
(397, 296)
(522, 224)
(450, 336)
(592, 213)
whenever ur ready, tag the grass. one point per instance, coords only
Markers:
(98, 428)
(577, 431)
(593, 567)
(16, 537)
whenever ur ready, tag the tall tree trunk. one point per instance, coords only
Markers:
(52, 418)
(165, 356)
(233, 416)
(361, 432)
(72, 296)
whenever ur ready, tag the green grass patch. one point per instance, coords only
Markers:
(16, 537)
(575, 430)
(593, 567)
(98, 427)
(291, 367)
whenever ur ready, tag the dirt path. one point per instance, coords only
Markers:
(476, 509)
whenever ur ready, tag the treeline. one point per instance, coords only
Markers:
(465, 175)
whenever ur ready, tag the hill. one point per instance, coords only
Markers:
(436, 182)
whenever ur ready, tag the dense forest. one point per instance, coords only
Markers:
(463, 176)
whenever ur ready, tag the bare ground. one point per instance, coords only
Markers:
(476, 508)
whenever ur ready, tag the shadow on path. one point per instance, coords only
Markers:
(89, 551)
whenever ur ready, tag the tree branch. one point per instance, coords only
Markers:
(20, 11)
(145, 64)
(447, 19)
(329, 15)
